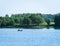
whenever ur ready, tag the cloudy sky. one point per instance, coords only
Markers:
(29, 6)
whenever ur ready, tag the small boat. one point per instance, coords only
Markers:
(20, 30)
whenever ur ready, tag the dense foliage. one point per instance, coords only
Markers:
(26, 20)
(57, 21)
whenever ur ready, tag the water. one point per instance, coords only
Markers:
(29, 37)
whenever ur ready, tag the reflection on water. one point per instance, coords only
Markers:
(29, 37)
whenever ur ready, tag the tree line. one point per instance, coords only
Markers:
(28, 20)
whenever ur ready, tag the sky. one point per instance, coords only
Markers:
(29, 6)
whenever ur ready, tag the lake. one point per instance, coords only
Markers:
(29, 37)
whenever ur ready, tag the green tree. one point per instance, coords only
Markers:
(17, 20)
(0, 22)
(57, 21)
(36, 19)
(26, 21)
(47, 21)
(4, 22)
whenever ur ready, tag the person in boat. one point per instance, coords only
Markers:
(20, 30)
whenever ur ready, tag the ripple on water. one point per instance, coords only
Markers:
(29, 37)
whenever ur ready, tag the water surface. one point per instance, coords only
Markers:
(29, 37)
